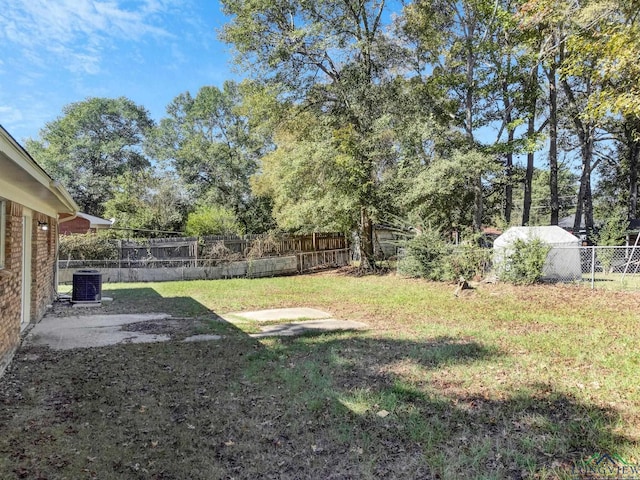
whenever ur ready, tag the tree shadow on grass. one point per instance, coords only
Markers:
(144, 300)
(336, 406)
(390, 405)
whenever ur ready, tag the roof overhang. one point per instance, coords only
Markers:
(24, 181)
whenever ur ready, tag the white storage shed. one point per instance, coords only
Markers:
(563, 261)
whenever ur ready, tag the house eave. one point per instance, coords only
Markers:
(23, 180)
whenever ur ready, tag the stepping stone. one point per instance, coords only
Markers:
(298, 328)
(277, 314)
(202, 338)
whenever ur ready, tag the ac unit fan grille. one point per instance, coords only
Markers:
(87, 286)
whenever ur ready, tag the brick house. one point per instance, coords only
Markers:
(83, 223)
(31, 204)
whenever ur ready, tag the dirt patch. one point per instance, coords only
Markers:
(176, 328)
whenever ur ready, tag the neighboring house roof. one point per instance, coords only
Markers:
(567, 222)
(26, 182)
(492, 231)
(96, 222)
(634, 225)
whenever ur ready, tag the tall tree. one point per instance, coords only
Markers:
(540, 207)
(148, 202)
(90, 145)
(468, 53)
(209, 141)
(610, 38)
(311, 176)
(334, 56)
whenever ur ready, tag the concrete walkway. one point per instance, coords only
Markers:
(92, 331)
(83, 331)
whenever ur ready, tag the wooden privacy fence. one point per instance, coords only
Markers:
(281, 244)
(192, 248)
(159, 249)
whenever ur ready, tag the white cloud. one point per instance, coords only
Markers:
(76, 33)
(9, 114)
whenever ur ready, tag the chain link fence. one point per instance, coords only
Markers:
(601, 267)
(615, 268)
(153, 270)
(618, 267)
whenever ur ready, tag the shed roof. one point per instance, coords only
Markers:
(553, 235)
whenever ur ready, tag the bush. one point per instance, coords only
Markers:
(88, 246)
(468, 260)
(524, 264)
(429, 255)
(611, 234)
(424, 256)
(265, 245)
(217, 254)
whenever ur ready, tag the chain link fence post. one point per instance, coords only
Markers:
(593, 267)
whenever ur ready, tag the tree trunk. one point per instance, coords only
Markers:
(528, 179)
(553, 145)
(585, 201)
(367, 258)
(586, 134)
(508, 188)
(581, 192)
(633, 147)
(531, 131)
(469, 104)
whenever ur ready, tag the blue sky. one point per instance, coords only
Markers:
(55, 52)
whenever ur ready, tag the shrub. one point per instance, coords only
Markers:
(611, 234)
(468, 260)
(265, 245)
(88, 246)
(218, 253)
(524, 264)
(429, 255)
(424, 256)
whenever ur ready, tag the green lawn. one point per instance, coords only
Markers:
(613, 281)
(504, 382)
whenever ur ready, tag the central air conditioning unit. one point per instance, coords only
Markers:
(87, 286)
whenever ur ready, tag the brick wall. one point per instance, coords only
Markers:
(43, 251)
(77, 225)
(11, 285)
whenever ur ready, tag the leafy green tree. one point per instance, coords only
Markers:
(469, 58)
(610, 38)
(209, 141)
(147, 202)
(212, 220)
(443, 193)
(309, 177)
(334, 57)
(92, 144)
